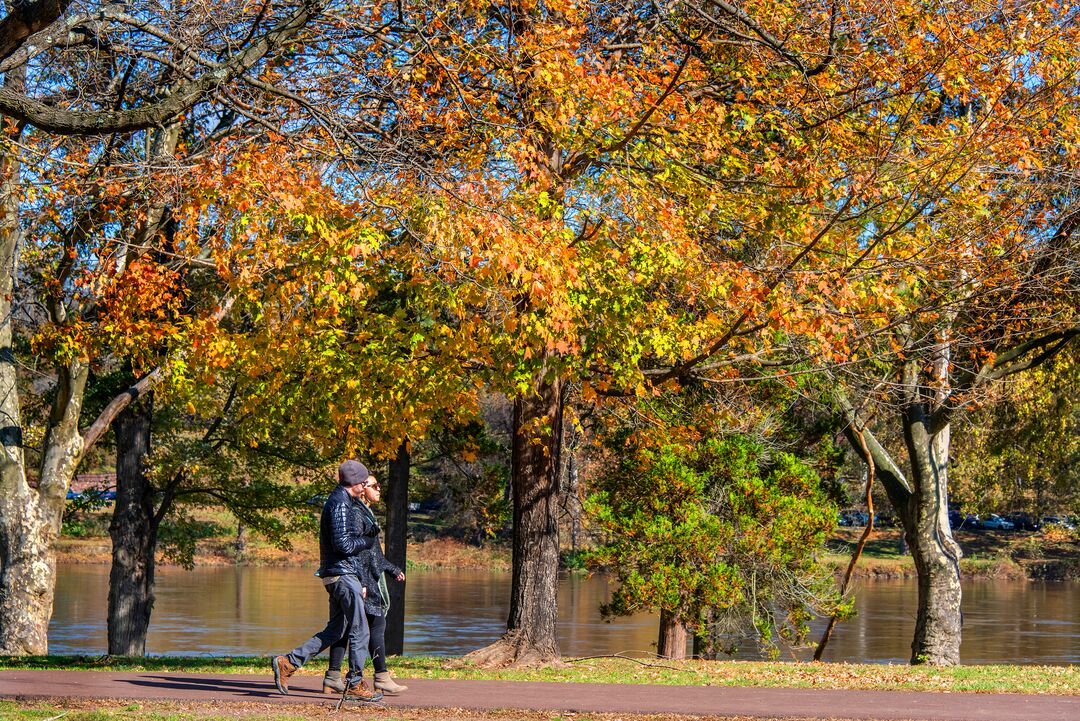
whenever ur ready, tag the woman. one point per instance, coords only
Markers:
(370, 566)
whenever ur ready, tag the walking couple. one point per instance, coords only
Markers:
(351, 568)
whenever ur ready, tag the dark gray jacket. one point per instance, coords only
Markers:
(371, 564)
(344, 533)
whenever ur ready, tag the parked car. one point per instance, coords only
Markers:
(73, 496)
(1057, 521)
(958, 520)
(996, 522)
(852, 517)
(1023, 521)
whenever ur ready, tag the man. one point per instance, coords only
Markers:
(370, 566)
(344, 533)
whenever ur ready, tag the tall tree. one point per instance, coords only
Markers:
(101, 72)
(904, 195)
(977, 284)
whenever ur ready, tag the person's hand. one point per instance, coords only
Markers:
(400, 576)
(363, 592)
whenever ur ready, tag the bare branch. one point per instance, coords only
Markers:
(181, 97)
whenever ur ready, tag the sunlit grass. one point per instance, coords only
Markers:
(170, 711)
(988, 678)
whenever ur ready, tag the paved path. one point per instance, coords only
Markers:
(614, 698)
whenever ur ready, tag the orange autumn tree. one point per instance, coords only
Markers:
(527, 130)
(949, 137)
(91, 298)
(585, 178)
(700, 189)
(122, 77)
(984, 276)
(336, 333)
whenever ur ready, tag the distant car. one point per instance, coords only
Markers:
(414, 506)
(996, 522)
(967, 521)
(73, 496)
(1024, 521)
(852, 517)
(884, 520)
(1056, 521)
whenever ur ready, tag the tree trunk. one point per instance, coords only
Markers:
(706, 646)
(531, 636)
(928, 535)
(29, 518)
(671, 642)
(573, 503)
(241, 542)
(397, 528)
(134, 534)
(22, 584)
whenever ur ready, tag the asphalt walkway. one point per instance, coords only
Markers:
(564, 697)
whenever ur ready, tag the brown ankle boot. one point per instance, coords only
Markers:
(360, 691)
(387, 685)
(332, 683)
(283, 668)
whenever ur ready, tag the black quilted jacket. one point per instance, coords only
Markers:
(344, 533)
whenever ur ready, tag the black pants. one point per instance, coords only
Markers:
(376, 645)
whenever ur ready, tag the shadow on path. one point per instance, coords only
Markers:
(246, 688)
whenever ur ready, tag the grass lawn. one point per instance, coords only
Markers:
(172, 711)
(1063, 680)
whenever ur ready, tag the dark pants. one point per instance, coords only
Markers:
(376, 645)
(347, 625)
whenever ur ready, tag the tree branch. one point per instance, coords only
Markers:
(1014, 361)
(25, 19)
(892, 477)
(180, 99)
(777, 45)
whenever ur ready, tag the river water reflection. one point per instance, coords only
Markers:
(256, 611)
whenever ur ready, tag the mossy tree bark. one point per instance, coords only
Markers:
(531, 636)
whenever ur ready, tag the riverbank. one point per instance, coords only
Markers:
(1057, 680)
(1051, 556)
(217, 550)
(1007, 555)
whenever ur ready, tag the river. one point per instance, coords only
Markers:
(258, 611)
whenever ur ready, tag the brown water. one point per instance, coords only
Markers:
(256, 611)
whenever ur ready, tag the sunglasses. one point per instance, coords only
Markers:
(373, 484)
